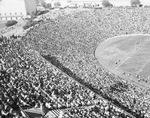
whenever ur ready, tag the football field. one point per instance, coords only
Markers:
(127, 56)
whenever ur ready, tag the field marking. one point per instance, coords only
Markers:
(134, 81)
(143, 66)
(131, 80)
(129, 56)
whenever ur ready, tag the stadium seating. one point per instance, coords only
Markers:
(71, 78)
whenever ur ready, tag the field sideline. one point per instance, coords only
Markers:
(126, 56)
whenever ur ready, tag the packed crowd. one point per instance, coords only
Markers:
(73, 38)
(27, 80)
(100, 110)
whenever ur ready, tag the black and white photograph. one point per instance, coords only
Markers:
(74, 58)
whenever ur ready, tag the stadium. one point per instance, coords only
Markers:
(78, 63)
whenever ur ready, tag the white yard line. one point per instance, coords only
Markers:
(129, 56)
(143, 66)
(131, 79)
